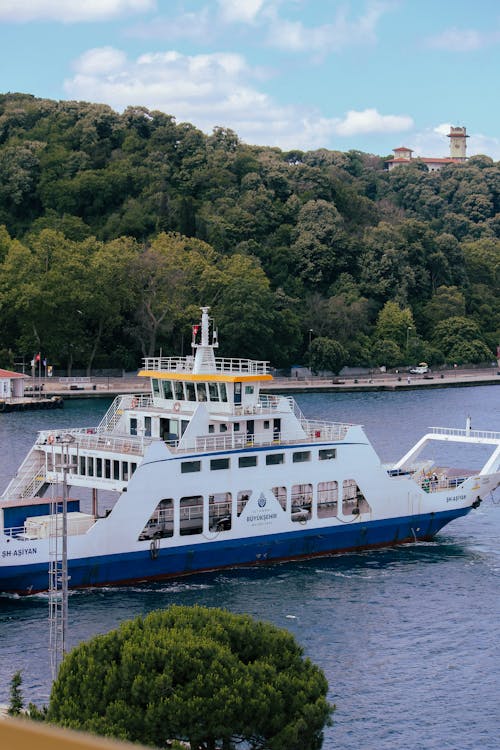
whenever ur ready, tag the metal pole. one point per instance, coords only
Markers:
(64, 556)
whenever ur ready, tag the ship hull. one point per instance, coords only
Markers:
(161, 559)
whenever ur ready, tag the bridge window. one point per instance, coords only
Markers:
(178, 390)
(201, 391)
(167, 389)
(190, 392)
(223, 392)
(213, 392)
(156, 387)
(248, 389)
(133, 426)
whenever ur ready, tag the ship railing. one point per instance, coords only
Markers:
(430, 484)
(222, 365)
(90, 439)
(29, 478)
(14, 531)
(486, 435)
(319, 430)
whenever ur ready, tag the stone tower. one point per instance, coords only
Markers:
(458, 143)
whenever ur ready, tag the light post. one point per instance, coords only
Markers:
(408, 340)
(310, 357)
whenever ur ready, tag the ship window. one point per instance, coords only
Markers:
(353, 500)
(90, 466)
(187, 467)
(191, 515)
(213, 392)
(178, 390)
(156, 387)
(236, 427)
(211, 429)
(223, 392)
(246, 461)
(275, 458)
(328, 495)
(83, 465)
(107, 468)
(243, 498)
(147, 426)
(125, 471)
(201, 391)
(219, 463)
(301, 502)
(161, 522)
(301, 456)
(266, 424)
(98, 467)
(223, 428)
(190, 392)
(249, 389)
(280, 495)
(219, 511)
(133, 467)
(327, 454)
(116, 470)
(133, 426)
(167, 389)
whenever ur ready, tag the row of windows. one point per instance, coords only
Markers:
(299, 501)
(178, 390)
(272, 459)
(105, 468)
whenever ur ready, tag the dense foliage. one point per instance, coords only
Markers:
(200, 675)
(114, 228)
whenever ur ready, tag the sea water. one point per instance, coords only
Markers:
(407, 637)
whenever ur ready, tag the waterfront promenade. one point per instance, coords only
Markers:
(374, 381)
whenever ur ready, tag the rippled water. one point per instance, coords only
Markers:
(408, 637)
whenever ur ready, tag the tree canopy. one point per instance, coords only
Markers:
(194, 674)
(115, 227)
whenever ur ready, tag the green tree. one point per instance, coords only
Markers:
(327, 354)
(200, 675)
(16, 703)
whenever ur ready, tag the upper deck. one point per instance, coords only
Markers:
(221, 367)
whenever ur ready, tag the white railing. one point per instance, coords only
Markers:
(222, 365)
(317, 430)
(29, 478)
(466, 433)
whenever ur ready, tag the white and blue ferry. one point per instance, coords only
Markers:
(205, 471)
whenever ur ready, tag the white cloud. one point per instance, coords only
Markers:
(214, 89)
(331, 37)
(240, 11)
(462, 40)
(70, 11)
(371, 121)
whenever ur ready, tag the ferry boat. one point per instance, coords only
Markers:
(205, 471)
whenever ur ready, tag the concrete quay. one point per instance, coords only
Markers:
(130, 383)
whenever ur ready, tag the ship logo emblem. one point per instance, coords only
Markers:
(262, 500)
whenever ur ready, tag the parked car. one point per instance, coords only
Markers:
(421, 369)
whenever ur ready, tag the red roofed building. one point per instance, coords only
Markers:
(11, 384)
(458, 145)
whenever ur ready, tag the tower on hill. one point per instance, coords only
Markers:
(458, 143)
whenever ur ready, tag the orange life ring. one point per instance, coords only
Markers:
(177, 406)
(51, 439)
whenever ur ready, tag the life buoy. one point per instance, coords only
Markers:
(177, 406)
(51, 439)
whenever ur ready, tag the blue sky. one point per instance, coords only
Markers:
(350, 74)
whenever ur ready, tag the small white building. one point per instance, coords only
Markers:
(11, 384)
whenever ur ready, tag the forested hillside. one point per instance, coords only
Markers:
(115, 228)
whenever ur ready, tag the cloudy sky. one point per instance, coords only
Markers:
(339, 74)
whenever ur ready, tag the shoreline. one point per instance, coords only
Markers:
(101, 387)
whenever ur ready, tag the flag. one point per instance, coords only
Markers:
(44, 362)
(37, 358)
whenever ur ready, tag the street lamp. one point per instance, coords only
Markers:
(408, 340)
(310, 359)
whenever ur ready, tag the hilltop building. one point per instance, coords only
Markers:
(458, 148)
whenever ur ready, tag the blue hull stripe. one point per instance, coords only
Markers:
(128, 567)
